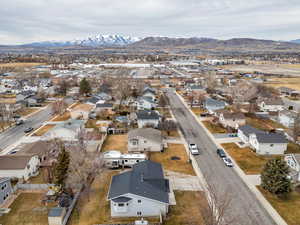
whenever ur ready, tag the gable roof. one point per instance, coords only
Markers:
(146, 179)
(147, 133)
(271, 138)
(147, 115)
(16, 162)
(247, 130)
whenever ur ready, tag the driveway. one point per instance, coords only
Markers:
(183, 182)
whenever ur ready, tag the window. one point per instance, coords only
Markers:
(139, 213)
(139, 201)
(121, 204)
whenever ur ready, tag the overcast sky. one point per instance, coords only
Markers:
(23, 21)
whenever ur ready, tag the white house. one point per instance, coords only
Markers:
(150, 93)
(245, 131)
(145, 103)
(233, 120)
(19, 166)
(147, 118)
(293, 161)
(145, 139)
(268, 143)
(271, 104)
(141, 192)
(287, 118)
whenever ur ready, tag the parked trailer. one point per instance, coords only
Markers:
(115, 159)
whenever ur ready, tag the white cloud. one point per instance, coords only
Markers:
(26, 21)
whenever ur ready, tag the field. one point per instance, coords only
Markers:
(27, 209)
(115, 142)
(286, 82)
(19, 64)
(289, 209)
(247, 160)
(181, 165)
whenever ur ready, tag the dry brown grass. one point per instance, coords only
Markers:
(8, 100)
(27, 209)
(62, 117)
(94, 208)
(198, 110)
(181, 166)
(289, 208)
(214, 128)
(248, 161)
(43, 130)
(115, 142)
(263, 124)
(164, 112)
(20, 64)
(27, 111)
(286, 82)
(187, 209)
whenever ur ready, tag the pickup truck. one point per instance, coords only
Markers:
(194, 149)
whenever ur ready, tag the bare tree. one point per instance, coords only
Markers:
(59, 107)
(216, 212)
(168, 126)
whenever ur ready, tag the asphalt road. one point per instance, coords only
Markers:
(244, 208)
(13, 134)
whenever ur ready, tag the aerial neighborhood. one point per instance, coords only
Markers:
(156, 131)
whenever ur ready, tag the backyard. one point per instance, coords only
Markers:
(263, 124)
(293, 148)
(27, 209)
(115, 142)
(180, 164)
(247, 160)
(214, 128)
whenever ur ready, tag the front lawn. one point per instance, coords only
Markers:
(180, 165)
(27, 209)
(289, 209)
(214, 128)
(115, 142)
(43, 130)
(198, 110)
(248, 161)
(65, 116)
(187, 209)
(293, 148)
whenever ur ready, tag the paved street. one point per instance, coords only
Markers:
(245, 209)
(13, 134)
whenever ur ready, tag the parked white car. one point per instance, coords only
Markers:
(194, 149)
(228, 162)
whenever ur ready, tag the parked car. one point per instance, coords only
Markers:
(228, 162)
(19, 122)
(221, 153)
(13, 152)
(194, 149)
(28, 130)
(16, 116)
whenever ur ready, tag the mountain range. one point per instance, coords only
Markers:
(119, 40)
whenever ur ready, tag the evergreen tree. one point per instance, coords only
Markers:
(84, 87)
(274, 177)
(61, 167)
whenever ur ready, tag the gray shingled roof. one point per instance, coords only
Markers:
(146, 179)
(247, 130)
(147, 115)
(55, 212)
(147, 133)
(271, 138)
(9, 162)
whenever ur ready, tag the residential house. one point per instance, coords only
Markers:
(81, 111)
(287, 118)
(141, 192)
(56, 216)
(232, 120)
(145, 103)
(147, 118)
(293, 161)
(196, 89)
(270, 104)
(288, 91)
(19, 166)
(24, 95)
(66, 130)
(150, 93)
(212, 105)
(245, 131)
(145, 139)
(104, 107)
(5, 189)
(268, 143)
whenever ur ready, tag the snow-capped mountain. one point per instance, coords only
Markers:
(95, 41)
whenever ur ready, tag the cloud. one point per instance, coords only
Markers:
(27, 21)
